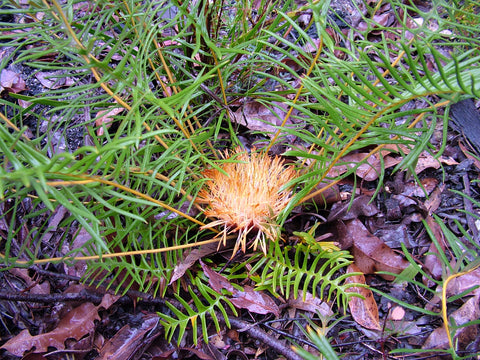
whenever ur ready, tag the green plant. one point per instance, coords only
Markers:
(170, 72)
(318, 336)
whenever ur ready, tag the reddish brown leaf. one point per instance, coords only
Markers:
(434, 200)
(128, 340)
(105, 117)
(364, 311)
(191, 258)
(464, 335)
(369, 170)
(11, 81)
(371, 254)
(464, 282)
(432, 261)
(34, 287)
(78, 323)
(311, 304)
(412, 188)
(254, 301)
(258, 117)
(361, 206)
(54, 80)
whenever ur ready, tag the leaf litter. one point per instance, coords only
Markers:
(416, 201)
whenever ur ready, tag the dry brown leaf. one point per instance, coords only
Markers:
(191, 258)
(78, 323)
(426, 161)
(469, 155)
(311, 304)
(105, 117)
(435, 199)
(368, 171)
(11, 81)
(371, 254)
(364, 311)
(467, 312)
(254, 301)
(465, 282)
(413, 189)
(33, 286)
(125, 344)
(432, 261)
(360, 206)
(257, 117)
(54, 80)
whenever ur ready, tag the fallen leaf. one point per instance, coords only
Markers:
(11, 81)
(309, 303)
(258, 117)
(191, 258)
(469, 311)
(254, 301)
(248, 298)
(54, 80)
(33, 286)
(369, 170)
(371, 254)
(105, 117)
(360, 206)
(364, 311)
(432, 261)
(412, 188)
(469, 155)
(126, 343)
(435, 199)
(465, 282)
(76, 324)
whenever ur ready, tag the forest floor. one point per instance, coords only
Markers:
(47, 312)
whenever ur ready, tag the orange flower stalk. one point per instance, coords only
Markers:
(246, 196)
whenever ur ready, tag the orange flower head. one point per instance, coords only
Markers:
(247, 195)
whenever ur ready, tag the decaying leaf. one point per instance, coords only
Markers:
(126, 343)
(105, 117)
(11, 81)
(463, 283)
(309, 303)
(364, 311)
(191, 258)
(372, 165)
(78, 323)
(248, 298)
(33, 286)
(371, 254)
(54, 80)
(360, 206)
(469, 311)
(432, 261)
(257, 117)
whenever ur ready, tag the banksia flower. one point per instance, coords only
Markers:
(246, 196)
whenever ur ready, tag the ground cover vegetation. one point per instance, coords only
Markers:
(222, 179)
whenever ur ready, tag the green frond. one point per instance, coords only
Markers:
(204, 309)
(313, 270)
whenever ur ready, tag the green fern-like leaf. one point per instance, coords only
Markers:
(210, 307)
(312, 269)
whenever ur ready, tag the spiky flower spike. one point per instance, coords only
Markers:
(246, 196)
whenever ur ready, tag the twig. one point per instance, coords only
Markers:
(469, 207)
(259, 334)
(83, 296)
